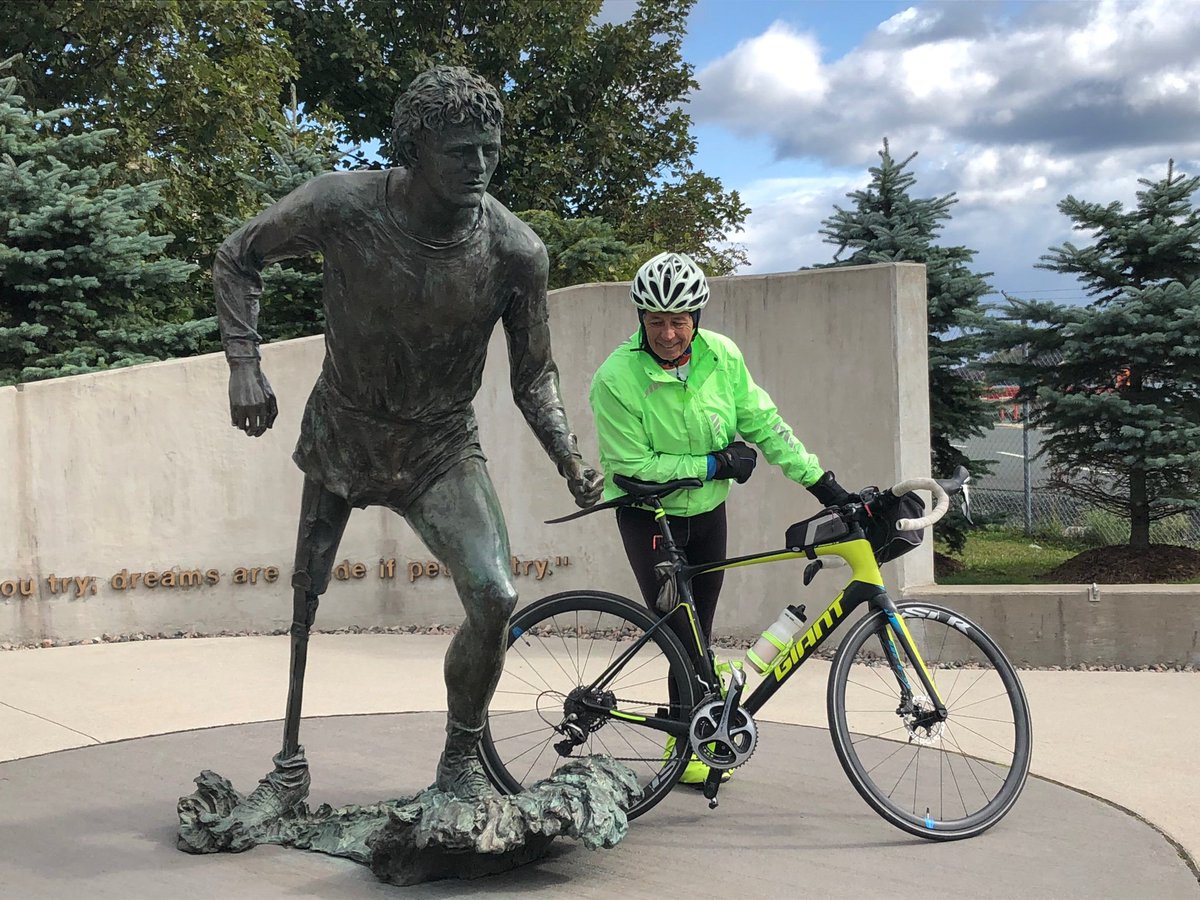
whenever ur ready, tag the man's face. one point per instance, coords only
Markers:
(457, 163)
(669, 334)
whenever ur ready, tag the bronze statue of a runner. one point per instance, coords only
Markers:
(420, 263)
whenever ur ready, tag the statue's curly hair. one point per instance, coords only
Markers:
(441, 96)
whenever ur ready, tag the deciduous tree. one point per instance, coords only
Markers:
(596, 124)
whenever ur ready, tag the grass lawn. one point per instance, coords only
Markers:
(1008, 557)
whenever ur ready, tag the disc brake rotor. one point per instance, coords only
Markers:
(924, 734)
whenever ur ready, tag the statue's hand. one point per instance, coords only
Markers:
(252, 405)
(585, 482)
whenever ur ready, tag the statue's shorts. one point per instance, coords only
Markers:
(373, 460)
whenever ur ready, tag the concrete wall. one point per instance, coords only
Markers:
(138, 470)
(1069, 625)
(16, 532)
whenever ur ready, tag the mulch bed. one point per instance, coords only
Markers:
(946, 565)
(1122, 564)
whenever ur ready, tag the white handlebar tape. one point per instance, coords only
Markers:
(941, 502)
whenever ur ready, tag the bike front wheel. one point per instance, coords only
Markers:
(940, 780)
(557, 648)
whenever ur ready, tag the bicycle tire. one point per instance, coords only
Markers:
(987, 713)
(563, 642)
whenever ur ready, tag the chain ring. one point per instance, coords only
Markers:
(721, 753)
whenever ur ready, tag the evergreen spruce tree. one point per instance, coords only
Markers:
(297, 149)
(1117, 383)
(886, 224)
(83, 286)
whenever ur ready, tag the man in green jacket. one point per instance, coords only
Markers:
(670, 403)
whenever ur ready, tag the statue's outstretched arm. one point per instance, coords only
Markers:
(283, 230)
(534, 378)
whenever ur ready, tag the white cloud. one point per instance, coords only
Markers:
(784, 231)
(1011, 114)
(780, 68)
(910, 21)
(944, 72)
(1128, 65)
(1010, 227)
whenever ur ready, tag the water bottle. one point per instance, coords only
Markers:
(776, 639)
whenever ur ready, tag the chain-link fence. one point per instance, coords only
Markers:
(1017, 493)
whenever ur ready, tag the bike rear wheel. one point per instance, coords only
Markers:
(938, 780)
(557, 648)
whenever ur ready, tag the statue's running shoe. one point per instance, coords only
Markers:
(459, 771)
(280, 793)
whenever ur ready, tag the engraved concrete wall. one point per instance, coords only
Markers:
(137, 471)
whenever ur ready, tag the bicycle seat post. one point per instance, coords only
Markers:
(664, 525)
(668, 539)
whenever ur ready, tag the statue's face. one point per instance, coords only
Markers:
(456, 164)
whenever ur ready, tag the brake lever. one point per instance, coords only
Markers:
(811, 570)
(966, 504)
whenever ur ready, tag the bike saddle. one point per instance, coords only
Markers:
(636, 488)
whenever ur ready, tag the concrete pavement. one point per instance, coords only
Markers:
(1127, 737)
(99, 822)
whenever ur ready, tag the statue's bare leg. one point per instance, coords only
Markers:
(323, 517)
(460, 521)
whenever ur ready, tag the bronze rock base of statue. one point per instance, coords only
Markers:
(431, 836)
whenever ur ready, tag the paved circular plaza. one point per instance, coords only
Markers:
(100, 822)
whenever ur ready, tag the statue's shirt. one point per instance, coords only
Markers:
(407, 326)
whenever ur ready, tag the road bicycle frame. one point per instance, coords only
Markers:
(865, 586)
(704, 712)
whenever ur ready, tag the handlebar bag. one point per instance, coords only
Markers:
(886, 540)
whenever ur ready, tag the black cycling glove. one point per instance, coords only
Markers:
(736, 461)
(829, 493)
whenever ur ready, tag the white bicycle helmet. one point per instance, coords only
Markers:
(669, 283)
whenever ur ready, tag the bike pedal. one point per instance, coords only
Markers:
(711, 785)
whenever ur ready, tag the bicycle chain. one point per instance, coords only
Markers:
(644, 758)
(629, 700)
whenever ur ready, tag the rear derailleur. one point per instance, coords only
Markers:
(581, 717)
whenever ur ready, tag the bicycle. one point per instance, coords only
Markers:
(589, 670)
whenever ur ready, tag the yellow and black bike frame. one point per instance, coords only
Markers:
(865, 586)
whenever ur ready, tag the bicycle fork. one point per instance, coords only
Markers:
(909, 703)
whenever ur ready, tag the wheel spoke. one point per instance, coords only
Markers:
(974, 761)
(562, 644)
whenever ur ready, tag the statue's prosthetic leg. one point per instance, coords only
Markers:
(323, 517)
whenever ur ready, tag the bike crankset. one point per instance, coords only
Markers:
(723, 734)
(720, 741)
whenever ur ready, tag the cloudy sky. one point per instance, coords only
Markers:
(1012, 105)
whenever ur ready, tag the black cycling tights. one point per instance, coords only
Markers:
(703, 537)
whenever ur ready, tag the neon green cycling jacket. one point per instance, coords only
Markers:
(654, 427)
